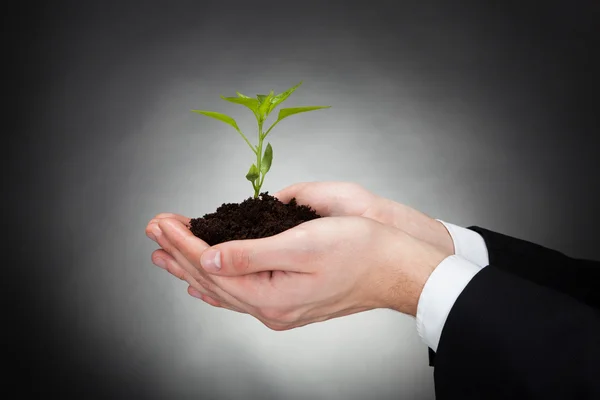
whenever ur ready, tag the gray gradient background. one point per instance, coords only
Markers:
(474, 115)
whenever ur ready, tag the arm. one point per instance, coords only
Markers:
(506, 336)
(575, 277)
(480, 247)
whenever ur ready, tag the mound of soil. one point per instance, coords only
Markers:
(253, 218)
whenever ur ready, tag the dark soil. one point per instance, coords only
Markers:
(252, 219)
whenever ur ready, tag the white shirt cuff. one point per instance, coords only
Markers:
(468, 244)
(439, 294)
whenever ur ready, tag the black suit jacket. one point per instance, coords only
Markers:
(526, 326)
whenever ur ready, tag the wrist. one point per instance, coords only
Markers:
(412, 264)
(441, 238)
(421, 226)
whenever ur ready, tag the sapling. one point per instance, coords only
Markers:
(261, 107)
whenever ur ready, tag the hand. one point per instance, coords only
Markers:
(321, 269)
(350, 199)
(328, 199)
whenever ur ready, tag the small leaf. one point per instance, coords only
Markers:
(267, 159)
(249, 102)
(221, 117)
(253, 173)
(280, 98)
(286, 112)
(261, 98)
(265, 106)
(242, 95)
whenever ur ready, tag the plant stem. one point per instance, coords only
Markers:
(262, 178)
(247, 141)
(257, 185)
(272, 126)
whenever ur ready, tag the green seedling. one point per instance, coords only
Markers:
(261, 107)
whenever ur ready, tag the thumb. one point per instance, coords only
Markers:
(282, 252)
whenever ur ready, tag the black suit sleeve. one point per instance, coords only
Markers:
(507, 337)
(577, 278)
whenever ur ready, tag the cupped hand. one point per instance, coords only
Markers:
(321, 269)
(329, 199)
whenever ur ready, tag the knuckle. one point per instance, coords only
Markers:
(178, 241)
(163, 215)
(176, 271)
(198, 288)
(240, 259)
(206, 285)
(166, 245)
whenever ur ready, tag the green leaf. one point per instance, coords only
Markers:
(280, 98)
(221, 117)
(267, 159)
(249, 102)
(265, 106)
(253, 173)
(261, 98)
(242, 95)
(286, 112)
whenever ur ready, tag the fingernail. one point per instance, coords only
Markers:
(159, 262)
(156, 232)
(211, 260)
(195, 293)
(150, 234)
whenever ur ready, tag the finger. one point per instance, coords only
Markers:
(159, 258)
(181, 239)
(246, 265)
(199, 290)
(152, 230)
(178, 238)
(164, 260)
(192, 291)
(286, 251)
(174, 254)
(212, 301)
(288, 193)
(181, 218)
(169, 259)
(320, 196)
